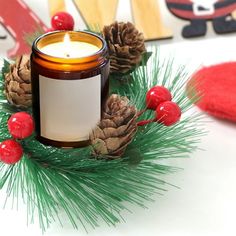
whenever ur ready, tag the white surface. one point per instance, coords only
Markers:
(205, 204)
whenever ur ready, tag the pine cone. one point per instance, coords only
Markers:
(18, 83)
(126, 46)
(116, 129)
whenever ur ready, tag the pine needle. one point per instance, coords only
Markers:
(87, 190)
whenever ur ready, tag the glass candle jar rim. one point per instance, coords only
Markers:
(101, 50)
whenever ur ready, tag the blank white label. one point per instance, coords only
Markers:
(69, 109)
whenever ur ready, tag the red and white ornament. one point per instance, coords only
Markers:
(10, 152)
(18, 19)
(21, 125)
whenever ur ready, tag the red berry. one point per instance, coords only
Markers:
(10, 151)
(21, 125)
(156, 95)
(62, 21)
(168, 113)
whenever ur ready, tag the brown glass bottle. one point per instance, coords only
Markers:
(55, 81)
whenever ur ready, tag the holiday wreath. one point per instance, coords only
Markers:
(140, 127)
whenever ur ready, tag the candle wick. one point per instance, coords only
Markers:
(67, 55)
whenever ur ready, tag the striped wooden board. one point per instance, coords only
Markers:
(234, 15)
(97, 13)
(56, 6)
(147, 18)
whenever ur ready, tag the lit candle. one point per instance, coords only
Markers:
(69, 86)
(70, 49)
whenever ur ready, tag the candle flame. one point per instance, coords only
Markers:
(67, 44)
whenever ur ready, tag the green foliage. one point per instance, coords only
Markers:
(51, 180)
(5, 67)
(30, 37)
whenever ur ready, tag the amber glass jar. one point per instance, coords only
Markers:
(68, 90)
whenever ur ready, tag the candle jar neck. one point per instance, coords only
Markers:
(70, 64)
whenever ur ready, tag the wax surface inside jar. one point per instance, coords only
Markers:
(70, 50)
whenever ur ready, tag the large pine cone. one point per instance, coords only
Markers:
(116, 129)
(126, 46)
(18, 83)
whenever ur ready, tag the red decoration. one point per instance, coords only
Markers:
(10, 151)
(10, 13)
(145, 122)
(62, 21)
(21, 125)
(156, 95)
(217, 87)
(168, 113)
(49, 30)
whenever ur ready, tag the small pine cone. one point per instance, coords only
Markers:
(126, 46)
(18, 83)
(116, 128)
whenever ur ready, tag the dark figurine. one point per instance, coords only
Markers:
(200, 11)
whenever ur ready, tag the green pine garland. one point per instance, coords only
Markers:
(51, 180)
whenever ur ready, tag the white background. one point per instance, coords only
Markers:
(205, 203)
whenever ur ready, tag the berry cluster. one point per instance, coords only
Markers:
(159, 98)
(20, 126)
(62, 21)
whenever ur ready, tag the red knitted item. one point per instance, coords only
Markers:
(217, 87)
